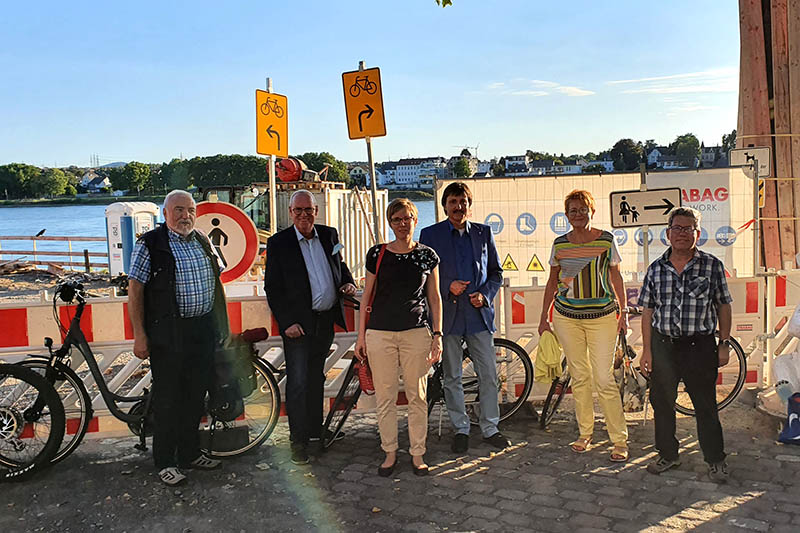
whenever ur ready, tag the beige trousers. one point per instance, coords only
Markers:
(589, 347)
(387, 351)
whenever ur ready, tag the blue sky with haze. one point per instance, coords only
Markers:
(149, 81)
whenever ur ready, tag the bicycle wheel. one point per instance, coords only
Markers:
(76, 401)
(371, 87)
(355, 90)
(730, 382)
(261, 412)
(265, 109)
(31, 422)
(554, 396)
(514, 380)
(345, 401)
(278, 111)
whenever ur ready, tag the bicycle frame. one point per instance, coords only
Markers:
(75, 337)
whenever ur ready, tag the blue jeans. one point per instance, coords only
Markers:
(481, 350)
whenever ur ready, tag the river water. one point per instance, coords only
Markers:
(89, 221)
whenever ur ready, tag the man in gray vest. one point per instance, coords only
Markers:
(177, 309)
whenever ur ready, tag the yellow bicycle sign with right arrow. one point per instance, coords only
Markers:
(363, 102)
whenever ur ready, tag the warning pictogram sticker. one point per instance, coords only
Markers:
(509, 264)
(535, 265)
(232, 234)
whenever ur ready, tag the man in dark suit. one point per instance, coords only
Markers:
(305, 276)
(469, 277)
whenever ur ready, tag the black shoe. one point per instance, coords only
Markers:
(387, 471)
(315, 447)
(498, 441)
(419, 470)
(299, 454)
(460, 443)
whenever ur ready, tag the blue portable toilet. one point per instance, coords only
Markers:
(125, 222)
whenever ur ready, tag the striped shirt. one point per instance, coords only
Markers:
(194, 276)
(584, 284)
(685, 304)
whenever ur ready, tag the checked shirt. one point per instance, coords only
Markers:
(685, 304)
(194, 276)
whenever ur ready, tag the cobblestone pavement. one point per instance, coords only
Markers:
(536, 485)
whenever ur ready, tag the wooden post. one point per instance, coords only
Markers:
(86, 263)
(783, 145)
(754, 127)
(793, 33)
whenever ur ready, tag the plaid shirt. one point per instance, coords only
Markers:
(685, 304)
(194, 276)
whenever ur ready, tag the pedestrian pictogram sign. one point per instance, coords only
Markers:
(272, 124)
(642, 208)
(363, 103)
(762, 190)
(509, 264)
(535, 265)
(232, 234)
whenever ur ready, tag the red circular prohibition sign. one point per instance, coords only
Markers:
(250, 235)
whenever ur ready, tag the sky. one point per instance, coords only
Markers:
(151, 81)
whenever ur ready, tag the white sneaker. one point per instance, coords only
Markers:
(171, 476)
(203, 462)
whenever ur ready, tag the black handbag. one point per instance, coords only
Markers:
(234, 379)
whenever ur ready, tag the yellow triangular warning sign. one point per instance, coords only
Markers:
(535, 265)
(509, 264)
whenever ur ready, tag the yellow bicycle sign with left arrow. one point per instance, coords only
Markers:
(272, 124)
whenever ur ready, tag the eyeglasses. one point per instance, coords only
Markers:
(300, 210)
(581, 210)
(683, 229)
(401, 220)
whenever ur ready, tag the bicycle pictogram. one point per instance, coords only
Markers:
(272, 105)
(363, 84)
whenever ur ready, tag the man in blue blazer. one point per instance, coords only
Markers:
(304, 280)
(469, 277)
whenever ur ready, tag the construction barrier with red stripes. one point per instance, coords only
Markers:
(761, 307)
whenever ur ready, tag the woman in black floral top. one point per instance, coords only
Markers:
(405, 308)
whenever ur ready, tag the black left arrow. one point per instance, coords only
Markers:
(273, 133)
(368, 110)
(666, 206)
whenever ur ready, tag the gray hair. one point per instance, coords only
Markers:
(689, 212)
(175, 193)
(303, 192)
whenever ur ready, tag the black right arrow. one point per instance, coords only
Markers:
(666, 206)
(273, 133)
(368, 110)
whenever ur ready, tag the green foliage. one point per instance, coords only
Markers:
(134, 176)
(444, 3)
(49, 182)
(70, 190)
(594, 169)
(649, 144)
(172, 175)
(729, 142)
(686, 147)
(317, 160)
(14, 180)
(626, 154)
(498, 170)
(225, 170)
(461, 168)
(590, 156)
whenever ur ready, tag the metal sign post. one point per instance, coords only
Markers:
(373, 186)
(758, 159)
(756, 222)
(273, 216)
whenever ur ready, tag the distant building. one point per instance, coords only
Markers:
(709, 155)
(358, 172)
(570, 166)
(92, 182)
(608, 166)
(655, 153)
(670, 162)
(409, 170)
(516, 160)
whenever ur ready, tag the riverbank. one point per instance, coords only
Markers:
(411, 194)
(90, 200)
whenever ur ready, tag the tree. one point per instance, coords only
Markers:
(686, 148)
(337, 170)
(590, 156)
(49, 182)
(133, 176)
(461, 168)
(173, 175)
(498, 169)
(728, 142)
(225, 170)
(14, 179)
(649, 144)
(626, 154)
(597, 168)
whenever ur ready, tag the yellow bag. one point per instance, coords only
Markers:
(547, 365)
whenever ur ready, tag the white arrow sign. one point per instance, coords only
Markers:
(630, 209)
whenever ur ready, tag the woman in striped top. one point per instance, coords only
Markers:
(586, 289)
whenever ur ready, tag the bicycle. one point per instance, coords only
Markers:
(362, 84)
(32, 422)
(514, 383)
(219, 436)
(272, 105)
(726, 392)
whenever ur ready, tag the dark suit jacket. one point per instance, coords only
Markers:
(286, 279)
(489, 273)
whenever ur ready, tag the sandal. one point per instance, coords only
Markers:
(581, 445)
(619, 454)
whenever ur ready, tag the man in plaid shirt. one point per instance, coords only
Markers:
(683, 296)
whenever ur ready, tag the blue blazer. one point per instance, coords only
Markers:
(487, 265)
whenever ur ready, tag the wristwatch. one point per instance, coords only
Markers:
(437, 333)
(725, 342)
